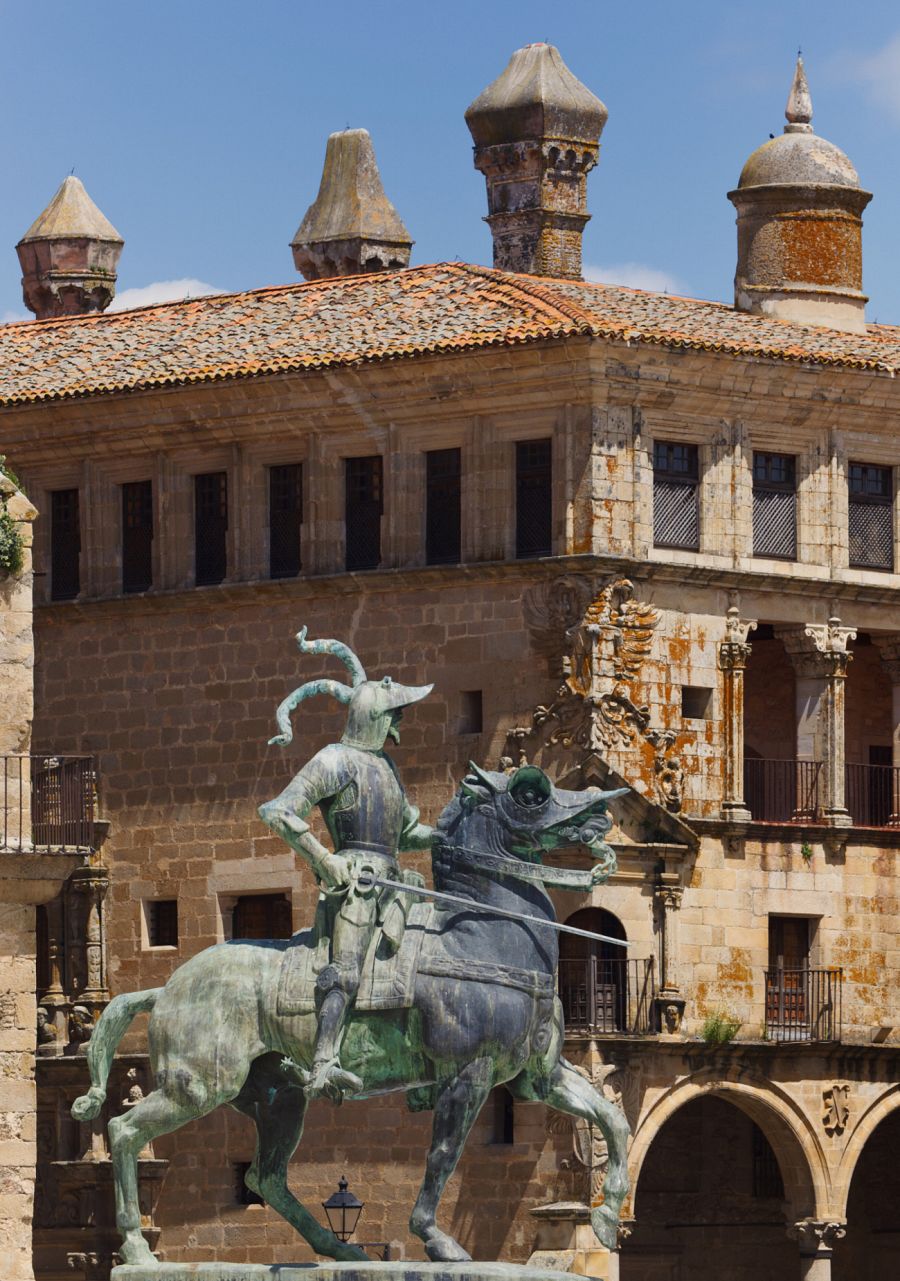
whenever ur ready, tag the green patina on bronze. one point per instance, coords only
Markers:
(438, 1000)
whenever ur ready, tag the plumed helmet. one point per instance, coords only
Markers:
(371, 703)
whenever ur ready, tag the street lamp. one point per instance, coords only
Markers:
(342, 1209)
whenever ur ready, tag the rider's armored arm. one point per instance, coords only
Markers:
(287, 813)
(414, 835)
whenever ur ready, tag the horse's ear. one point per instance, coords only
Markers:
(483, 778)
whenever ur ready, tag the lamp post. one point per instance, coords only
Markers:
(342, 1209)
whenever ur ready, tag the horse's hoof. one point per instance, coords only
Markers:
(605, 1223)
(135, 1250)
(443, 1249)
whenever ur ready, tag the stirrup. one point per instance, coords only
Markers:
(329, 1080)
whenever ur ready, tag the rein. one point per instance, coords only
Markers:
(479, 860)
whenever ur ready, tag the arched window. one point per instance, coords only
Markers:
(594, 978)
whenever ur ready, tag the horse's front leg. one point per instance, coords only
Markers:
(573, 1094)
(458, 1102)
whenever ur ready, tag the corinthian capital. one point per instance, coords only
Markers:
(813, 1235)
(818, 649)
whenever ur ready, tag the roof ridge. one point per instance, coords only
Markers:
(563, 306)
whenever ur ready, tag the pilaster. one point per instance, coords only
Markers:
(733, 653)
(669, 1002)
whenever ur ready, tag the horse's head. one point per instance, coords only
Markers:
(529, 815)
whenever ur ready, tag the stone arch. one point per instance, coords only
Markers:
(868, 1123)
(800, 1156)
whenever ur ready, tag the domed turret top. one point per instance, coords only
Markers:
(798, 157)
(536, 97)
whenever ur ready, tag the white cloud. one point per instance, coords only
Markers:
(880, 73)
(162, 291)
(636, 275)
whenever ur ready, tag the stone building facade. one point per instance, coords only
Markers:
(628, 536)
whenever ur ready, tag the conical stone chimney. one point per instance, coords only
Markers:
(69, 256)
(537, 132)
(351, 226)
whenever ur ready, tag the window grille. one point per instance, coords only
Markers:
(285, 519)
(162, 922)
(871, 516)
(676, 495)
(534, 499)
(442, 506)
(65, 545)
(775, 506)
(137, 536)
(364, 507)
(261, 916)
(767, 1180)
(210, 527)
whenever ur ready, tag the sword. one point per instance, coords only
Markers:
(366, 880)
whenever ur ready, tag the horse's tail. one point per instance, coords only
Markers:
(102, 1046)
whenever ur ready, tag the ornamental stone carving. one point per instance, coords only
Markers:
(835, 1100)
(596, 639)
(817, 1236)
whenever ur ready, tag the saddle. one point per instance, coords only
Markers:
(387, 980)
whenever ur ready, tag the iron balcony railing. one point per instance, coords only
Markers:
(600, 995)
(782, 791)
(48, 803)
(873, 795)
(803, 1004)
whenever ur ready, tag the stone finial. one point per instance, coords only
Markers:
(351, 226)
(69, 256)
(536, 131)
(799, 209)
(798, 111)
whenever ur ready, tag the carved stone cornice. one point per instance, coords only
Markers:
(817, 1236)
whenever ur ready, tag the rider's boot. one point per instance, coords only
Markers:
(336, 990)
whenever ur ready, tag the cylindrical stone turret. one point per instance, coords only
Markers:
(351, 226)
(537, 136)
(69, 256)
(799, 217)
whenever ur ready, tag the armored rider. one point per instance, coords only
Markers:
(369, 820)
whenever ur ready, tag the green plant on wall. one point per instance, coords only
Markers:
(719, 1028)
(12, 549)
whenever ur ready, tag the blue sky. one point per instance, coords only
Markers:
(199, 126)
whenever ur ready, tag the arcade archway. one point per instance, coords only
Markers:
(870, 1251)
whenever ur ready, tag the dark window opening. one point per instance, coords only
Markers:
(242, 1194)
(471, 720)
(261, 916)
(65, 545)
(767, 1181)
(137, 536)
(534, 498)
(788, 942)
(676, 495)
(775, 506)
(870, 516)
(364, 508)
(210, 527)
(503, 1117)
(285, 519)
(696, 702)
(442, 506)
(162, 922)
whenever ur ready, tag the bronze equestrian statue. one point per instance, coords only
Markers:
(445, 999)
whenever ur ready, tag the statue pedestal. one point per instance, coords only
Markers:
(566, 1243)
(401, 1270)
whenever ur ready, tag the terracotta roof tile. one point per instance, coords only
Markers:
(389, 315)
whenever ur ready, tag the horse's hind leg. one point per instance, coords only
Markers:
(458, 1103)
(279, 1110)
(571, 1093)
(157, 1114)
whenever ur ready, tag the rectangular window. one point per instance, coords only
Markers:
(261, 916)
(775, 506)
(676, 495)
(65, 545)
(285, 519)
(696, 702)
(364, 507)
(162, 922)
(442, 506)
(534, 499)
(210, 527)
(871, 516)
(137, 536)
(471, 720)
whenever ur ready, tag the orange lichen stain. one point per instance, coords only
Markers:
(736, 973)
(822, 251)
(860, 964)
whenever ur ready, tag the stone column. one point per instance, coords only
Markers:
(820, 659)
(816, 1238)
(669, 1002)
(889, 649)
(90, 885)
(733, 654)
